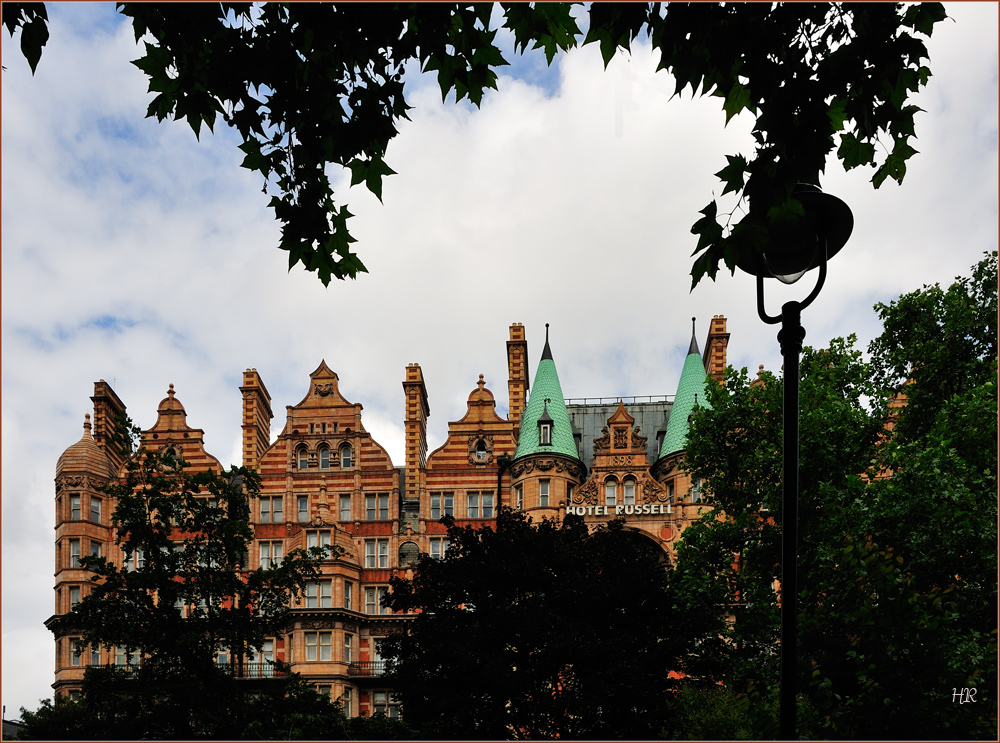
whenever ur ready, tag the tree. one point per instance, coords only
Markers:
(538, 631)
(897, 547)
(190, 599)
(308, 86)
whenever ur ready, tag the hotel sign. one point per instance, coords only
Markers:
(645, 509)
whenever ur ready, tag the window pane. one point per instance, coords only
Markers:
(610, 493)
(435, 507)
(345, 456)
(324, 458)
(543, 493)
(276, 510)
(487, 505)
(370, 507)
(74, 507)
(473, 509)
(95, 509)
(345, 508)
(303, 509)
(383, 507)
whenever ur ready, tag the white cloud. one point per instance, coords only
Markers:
(570, 206)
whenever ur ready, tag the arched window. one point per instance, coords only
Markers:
(303, 458)
(408, 554)
(345, 455)
(610, 492)
(324, 457)
(629, 496)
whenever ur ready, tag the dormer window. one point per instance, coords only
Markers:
(481, 451)
(545, 425)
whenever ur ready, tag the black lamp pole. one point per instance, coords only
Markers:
(829, 224)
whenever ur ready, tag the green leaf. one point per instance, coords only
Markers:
(734, 174)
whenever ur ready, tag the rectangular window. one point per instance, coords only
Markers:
(439, 546)
(373, 599)
(319, 595)
(442, 504)
(519, 497)
(95, 549)
(473, 507)
(386, 704)
(348, 648)
(74, 553)
(543, 493)
(324, 690)
(74, 507)
(376, 553)
(95, 509)
(610, 492)
(696, 491)
(487, 505)
(95, 655)
(569, 493)
(346, 699)
(319, 646)
(377, 507)
(629, 492)
(271, 554)
(345, 508)
(75, 651)
(270, 510)
(303, 508)
(347, 595)
(74, 596)
(670, 492)
(126, 659)
(317, 539)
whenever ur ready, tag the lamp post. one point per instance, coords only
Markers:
(793, 251)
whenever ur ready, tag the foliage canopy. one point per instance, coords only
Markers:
(534, 631)
(898, 528)
(308, 86)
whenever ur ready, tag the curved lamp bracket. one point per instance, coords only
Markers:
(772, 320)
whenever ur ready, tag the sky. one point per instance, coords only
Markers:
(134, 253)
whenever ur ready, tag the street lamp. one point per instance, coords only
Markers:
(810, 242)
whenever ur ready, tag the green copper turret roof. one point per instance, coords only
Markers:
(546, 397)
(690, 389)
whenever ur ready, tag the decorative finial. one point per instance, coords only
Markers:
(481, 382)
(546, 332)
(86, 422)
(170, 392)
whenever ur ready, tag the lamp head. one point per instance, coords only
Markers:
(796, 247)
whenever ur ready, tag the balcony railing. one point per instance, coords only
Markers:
(364, 668)
(254, 670)
(249, 670)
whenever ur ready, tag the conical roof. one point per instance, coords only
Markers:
(690, 391)
(546, 398)
(85, 456)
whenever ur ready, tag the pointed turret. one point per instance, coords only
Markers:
(690, 392)
(546, 408)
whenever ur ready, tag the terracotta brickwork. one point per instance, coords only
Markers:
(326, 481)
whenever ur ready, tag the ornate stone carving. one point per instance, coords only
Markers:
(653, 492)
(602, 442)
(638, 440)
(545, 464)
(317, 624)
(324, 388)
(350, 626)
(522, 468)
(586, 493)
(487, 441)
(621, 437)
